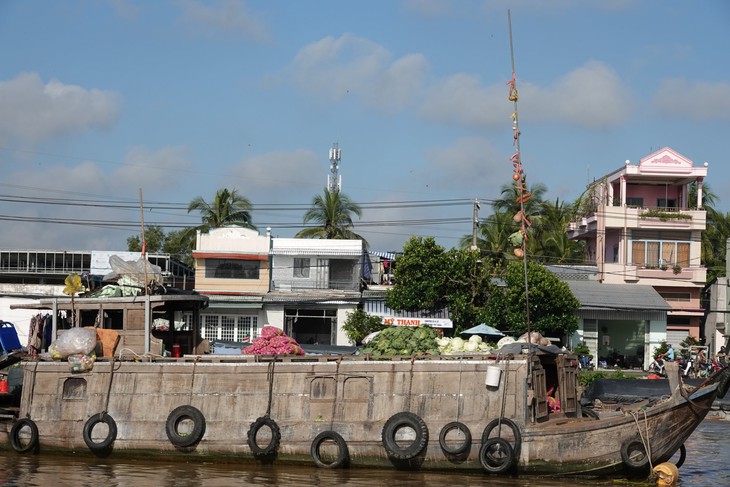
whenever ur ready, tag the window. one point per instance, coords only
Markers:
(666, 203)
(232, 269)
(301, 267)
(635, 202)
(658, 253)
(234, 328)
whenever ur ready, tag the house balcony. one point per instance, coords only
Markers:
(643, 218)
(620, 273)
(299, 285)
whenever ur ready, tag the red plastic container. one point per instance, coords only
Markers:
(176, 350)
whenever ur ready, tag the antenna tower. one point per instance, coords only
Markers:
(334, 180)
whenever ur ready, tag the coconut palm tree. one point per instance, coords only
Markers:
(493, 237)
(332, 213)
(227, 208)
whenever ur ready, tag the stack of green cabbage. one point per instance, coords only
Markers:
(459, 346)
(403, 340)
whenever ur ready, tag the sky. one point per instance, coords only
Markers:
(118, 112)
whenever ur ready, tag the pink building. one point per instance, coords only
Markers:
(642, 224)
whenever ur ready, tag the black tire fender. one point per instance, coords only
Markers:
(253, 431)
(496, 456)
(628, 451)
(185, 414)
(111, 436)
(342, 459)
(15, 440)
(515, 433)
(391, 428)
(460, 448)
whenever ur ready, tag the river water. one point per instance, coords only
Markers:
(708, 457)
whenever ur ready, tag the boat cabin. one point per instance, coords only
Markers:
(153, 324)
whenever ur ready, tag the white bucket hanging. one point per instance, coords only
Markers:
(494, 374)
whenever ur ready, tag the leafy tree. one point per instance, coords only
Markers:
(359, 324)
(493, 237)
(154, 235)
(550, 233)
(552, 304)
(419, 276)
(227, 208)
(332, 213)
(179, 244)
(428, 277)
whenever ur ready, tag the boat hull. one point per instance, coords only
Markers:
(354, 398)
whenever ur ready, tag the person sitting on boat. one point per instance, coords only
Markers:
(721, 356)
(552, 401)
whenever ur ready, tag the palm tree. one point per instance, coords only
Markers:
(493, 237)
(227, 208)
(550, 233)
(332, 212)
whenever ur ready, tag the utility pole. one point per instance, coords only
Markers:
(475, 225)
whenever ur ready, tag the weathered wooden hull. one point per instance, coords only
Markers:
(354, 398)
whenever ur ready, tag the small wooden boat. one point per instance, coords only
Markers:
(482, 412)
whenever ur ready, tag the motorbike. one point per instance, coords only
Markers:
(657, 366)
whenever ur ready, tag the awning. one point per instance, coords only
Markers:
(618, 301)
(384, 255)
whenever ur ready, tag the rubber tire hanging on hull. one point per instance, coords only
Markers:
(177, 416)
(515, 433)
(253, 431)
(396, 423)
(111, 436)
(342, 459)
(493, 464)
(15, 441)
(459, 449)
(627, 450)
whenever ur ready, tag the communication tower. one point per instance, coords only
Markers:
(334, 180)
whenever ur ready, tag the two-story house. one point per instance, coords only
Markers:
(304, 286)
(643, 226)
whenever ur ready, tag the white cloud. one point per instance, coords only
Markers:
(471, 165)
(33, 111)
(591, 96)
(144, 168)
(698, 100)
(223, 16)
(461, 99)
(290, 171)
(337, 67)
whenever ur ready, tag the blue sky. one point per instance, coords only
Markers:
(179, 98)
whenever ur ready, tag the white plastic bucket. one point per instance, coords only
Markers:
(494, 374)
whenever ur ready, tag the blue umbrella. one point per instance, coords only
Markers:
(483, 329)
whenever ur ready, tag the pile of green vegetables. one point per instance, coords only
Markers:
(403, 340)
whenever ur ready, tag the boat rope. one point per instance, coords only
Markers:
(644, 441)
(410, 383)
(192, 381)
(270, 378)
(334, 398)
(504, 398)
(32, 390)
(458, 397)
(109, 388)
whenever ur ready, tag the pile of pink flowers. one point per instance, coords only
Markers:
(273, 341)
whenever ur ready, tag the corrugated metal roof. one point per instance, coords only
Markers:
(627, 297)
(304, 246)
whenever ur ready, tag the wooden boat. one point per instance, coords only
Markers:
(487, 412)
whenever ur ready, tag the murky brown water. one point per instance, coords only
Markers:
(708, 455)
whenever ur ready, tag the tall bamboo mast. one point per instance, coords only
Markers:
(523, 194)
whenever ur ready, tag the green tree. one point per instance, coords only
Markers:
(493, 237)
(552, 304)
(332, 213)
(550, 234)
(179, 244)
(227, 208)
(154, 235)
(359, 324)
(427, 277)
